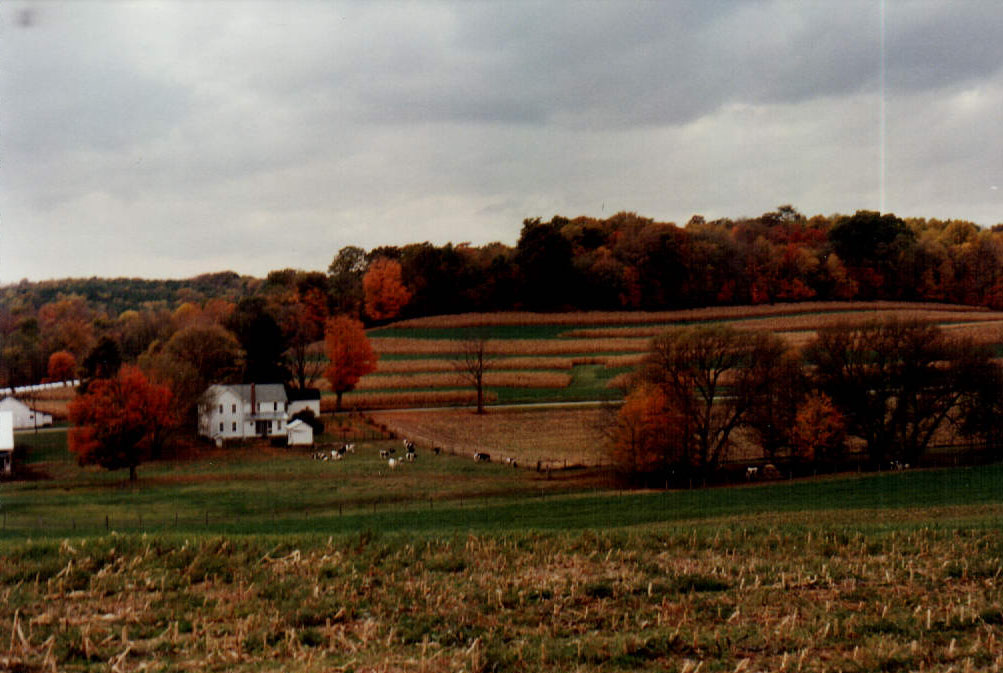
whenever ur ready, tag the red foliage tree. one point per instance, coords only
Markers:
(350, 354)
(384, 290)
(62, 366)
(121, 421)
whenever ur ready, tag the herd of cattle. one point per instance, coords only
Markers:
(390, 454)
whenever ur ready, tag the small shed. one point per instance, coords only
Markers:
(299, 434)
(6, 441)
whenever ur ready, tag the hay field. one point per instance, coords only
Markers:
(552, 437)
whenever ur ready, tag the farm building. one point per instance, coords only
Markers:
(24, 416)
(300, 434)
(6, 441)
(243, 411)
(303, 398)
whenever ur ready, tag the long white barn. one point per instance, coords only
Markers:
(24, 416)
(243, 411)
(6, 441)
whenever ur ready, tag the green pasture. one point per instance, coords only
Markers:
(277, 491)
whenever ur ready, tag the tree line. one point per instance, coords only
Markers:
(877, 393)
(625, 262)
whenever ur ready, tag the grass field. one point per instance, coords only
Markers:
(450, 565)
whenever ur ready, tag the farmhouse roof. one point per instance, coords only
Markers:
(13, 404)
(263, 392)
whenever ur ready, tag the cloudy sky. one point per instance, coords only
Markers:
(170, 139)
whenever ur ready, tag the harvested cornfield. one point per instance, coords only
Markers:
(452, 347)
(405, 400)
(550, 437)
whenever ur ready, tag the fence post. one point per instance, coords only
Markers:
(207, 518)
(106, 522)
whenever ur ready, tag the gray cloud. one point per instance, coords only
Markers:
(171, 138)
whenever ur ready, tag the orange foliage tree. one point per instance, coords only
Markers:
(384, 290)
(644, 432)
(121, 421)
(349, 352)
(62, 366)
(819, 430)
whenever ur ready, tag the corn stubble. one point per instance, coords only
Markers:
(736, 598)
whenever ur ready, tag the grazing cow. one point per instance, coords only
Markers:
(384, 454)
(751, 473)
(436, 450)
(481, 457)
(393, 463)
(411, 456)
(348, 448)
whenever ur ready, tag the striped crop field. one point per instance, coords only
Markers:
(812, 322)
(500, 347)
(558, 357)
(716, 313)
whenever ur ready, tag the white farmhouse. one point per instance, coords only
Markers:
(24, 416)
(243, 411)
(6, 441)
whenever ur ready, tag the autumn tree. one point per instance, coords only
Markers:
(303, 320)
(260, 336)
(819, 431)
(896, 381)
(384, 290)
(345, 280)
(349, 353)
(67, 324)
(121, 421)
(193, 359)
(648, 437)
(62, 366)
(102, 362)
(708, 380)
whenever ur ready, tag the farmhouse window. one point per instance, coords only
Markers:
(235, 426)
(221, 426)
(275, 406)
(234, 408)
(221, 408)
(280, 425)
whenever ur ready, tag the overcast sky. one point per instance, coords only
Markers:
(170, 139)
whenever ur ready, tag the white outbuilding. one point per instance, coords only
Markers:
(6, 441)
(300, 433)
(24, 416)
